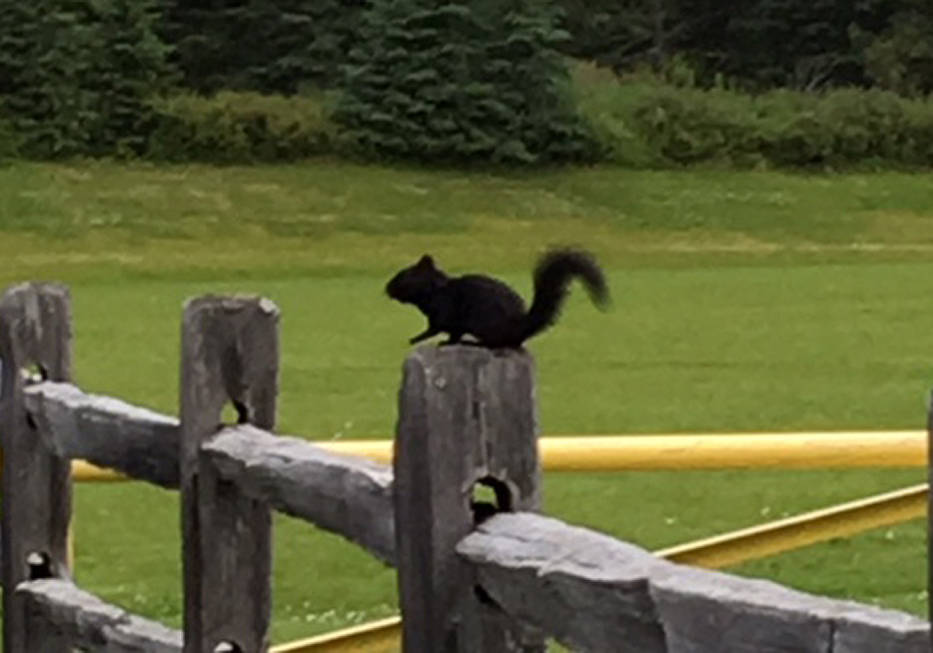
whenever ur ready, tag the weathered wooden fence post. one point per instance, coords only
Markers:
(35, 330)
(229, 353)
(930, 514)
(466, 415)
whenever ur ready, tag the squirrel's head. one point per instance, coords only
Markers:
(417, 282)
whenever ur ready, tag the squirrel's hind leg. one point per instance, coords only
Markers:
(454, 339)
(424, 335)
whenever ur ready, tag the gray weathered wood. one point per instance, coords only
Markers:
(35, 329)
(105, 431)
(229, 353)
(705, 611)
(74, 618)
(587, 590)
(930, 510)
(595, 593)
(465, 414)
(867, 629)
(346, 495)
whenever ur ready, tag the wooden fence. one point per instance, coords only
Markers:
(473, 575)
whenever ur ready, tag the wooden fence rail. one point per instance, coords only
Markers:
(474, 574)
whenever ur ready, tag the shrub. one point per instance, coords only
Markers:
(918, 141)
(9, 142)
(240, 128)
(865, 124)
(645, 122)
(690, 125)
(791, 129)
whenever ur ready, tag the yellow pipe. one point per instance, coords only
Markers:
(713, 553)
(609, 453)
(802, 530)
(781, 450)
(381, 636)
(84, 472)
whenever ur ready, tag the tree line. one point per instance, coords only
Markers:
(456, 79)
(279, 45)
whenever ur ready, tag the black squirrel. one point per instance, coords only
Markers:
(488, 309)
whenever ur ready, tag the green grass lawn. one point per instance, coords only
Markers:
(743, 301)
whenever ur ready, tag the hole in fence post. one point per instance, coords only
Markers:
(490, 496)
(483, 596)
(35, 373)
(40, 565)
(242, 412)
(227, 647)
(234, 412)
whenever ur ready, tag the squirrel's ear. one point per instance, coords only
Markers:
(426, 261)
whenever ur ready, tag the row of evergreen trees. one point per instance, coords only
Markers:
(76, 76)
(450, 80)
(275, 45)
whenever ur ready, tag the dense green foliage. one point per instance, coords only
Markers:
(76, 76)
(899, 55)
(275, 46)
(652, 124)
(240, 128)
(759, 44)
(462, 82)
(279, 45)
(9, 141)
(480, 81)
(640, 122)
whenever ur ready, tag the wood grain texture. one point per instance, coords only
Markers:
(229, 353)
(466, 414)
(59, 612)
(588, 590)
(106, 431)
(596, 593)
(35, 330)
(346, 495)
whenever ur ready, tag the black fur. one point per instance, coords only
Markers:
(488, 309)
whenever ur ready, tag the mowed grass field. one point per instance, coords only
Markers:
(742, 302)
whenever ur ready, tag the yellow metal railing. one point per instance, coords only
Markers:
(803, 530)
(610, 453)
(381, 636)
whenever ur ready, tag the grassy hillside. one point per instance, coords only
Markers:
(743, 301)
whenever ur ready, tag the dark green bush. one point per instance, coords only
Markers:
(791, 129)
(918, 145)
(645, 122)
(689, 125)
(9, 141)
(865, 124)
(240, 128)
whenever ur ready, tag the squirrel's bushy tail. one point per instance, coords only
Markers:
(552, 278)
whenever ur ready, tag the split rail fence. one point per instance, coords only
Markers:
(472, 576)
